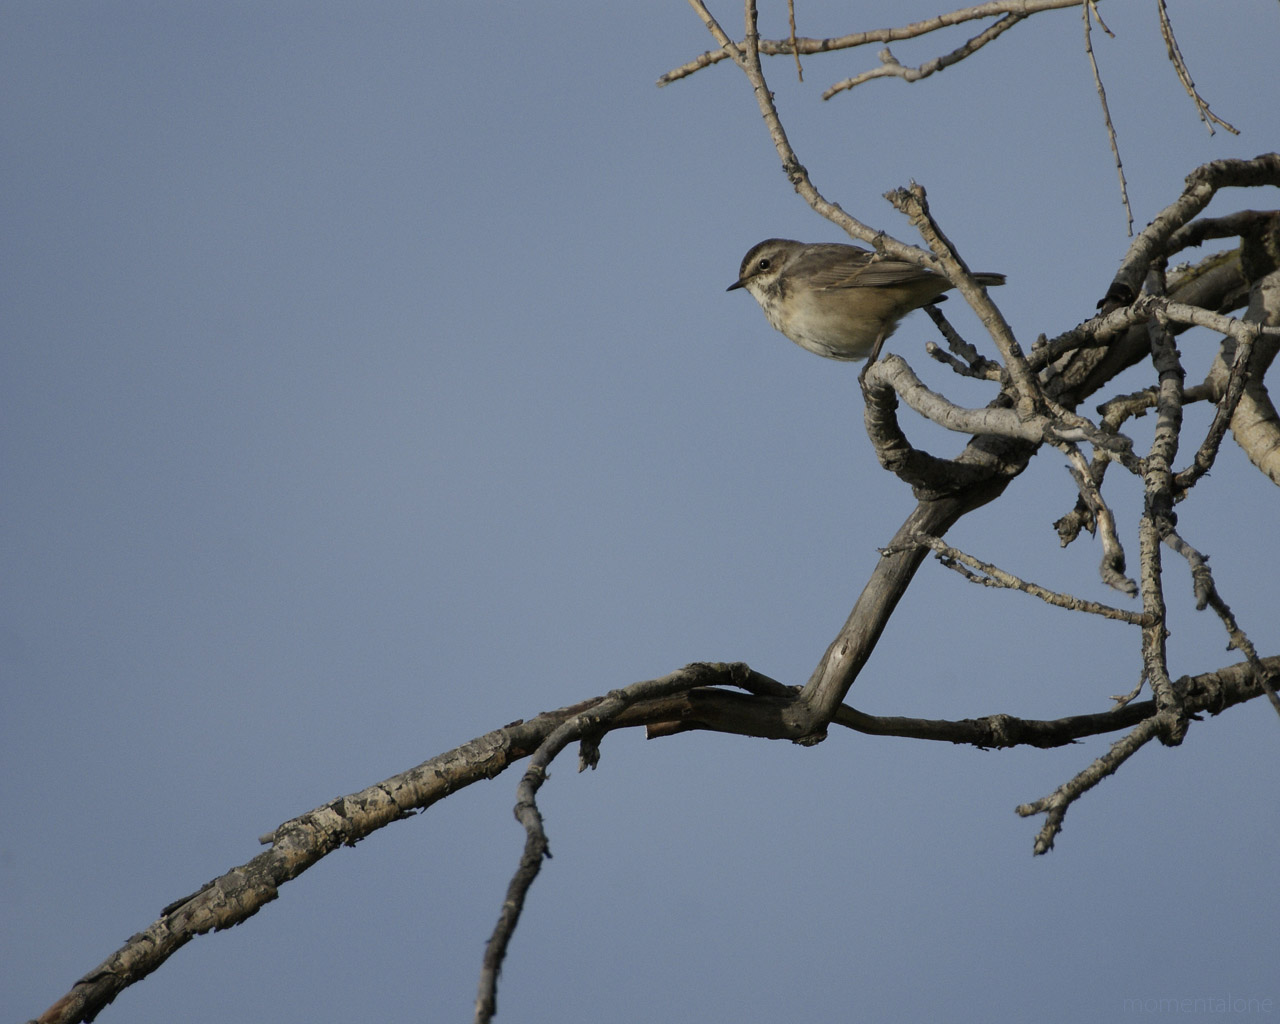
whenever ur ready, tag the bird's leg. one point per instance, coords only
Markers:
(875, 354)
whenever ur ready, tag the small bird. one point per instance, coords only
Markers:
(839, 301)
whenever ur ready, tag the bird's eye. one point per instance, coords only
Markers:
(764, 264)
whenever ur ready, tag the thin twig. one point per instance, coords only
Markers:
(1055, 805)
(1082, 515)
(993, 576)
(1207, 453)
(1088, 9)
(1135, 404)
(587, 723)
(1184, 74)
(1123, 699)
(974, 364)
(914, 202)
(891, 68)
(795, 50)
(747, 57)
(983, 369)
(1206, 594)
(771, 47)
(1187, 693)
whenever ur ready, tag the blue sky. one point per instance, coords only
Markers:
(369, 382)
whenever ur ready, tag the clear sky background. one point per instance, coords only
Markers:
(369, 382)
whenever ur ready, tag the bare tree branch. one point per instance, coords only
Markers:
(1036, 406)
(1207, 453)
(1055, 805)
(591, 722)
(1241, 224)
(1088, 480)
(1184, 75)
(791, 22)
(1202, 185)
(747, 57)
(1209, 692)
(915, 204)
(890, 68)
(1156, 521)
(697, 702)
(893, 371)
(1021, 8)
(1255, 424)
(989, 575)
(1206, 594)
(1090, 12)
(975, 365)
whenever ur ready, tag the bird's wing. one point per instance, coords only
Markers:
(847, 266)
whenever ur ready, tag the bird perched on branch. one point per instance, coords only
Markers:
(839, 301)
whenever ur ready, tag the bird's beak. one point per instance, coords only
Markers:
(736, 285)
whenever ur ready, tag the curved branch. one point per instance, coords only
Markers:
(929, 476)
(587, 723)
(1201, 186)
(301, 842)
(698, 702)
(1079, 362)
(892, 372)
